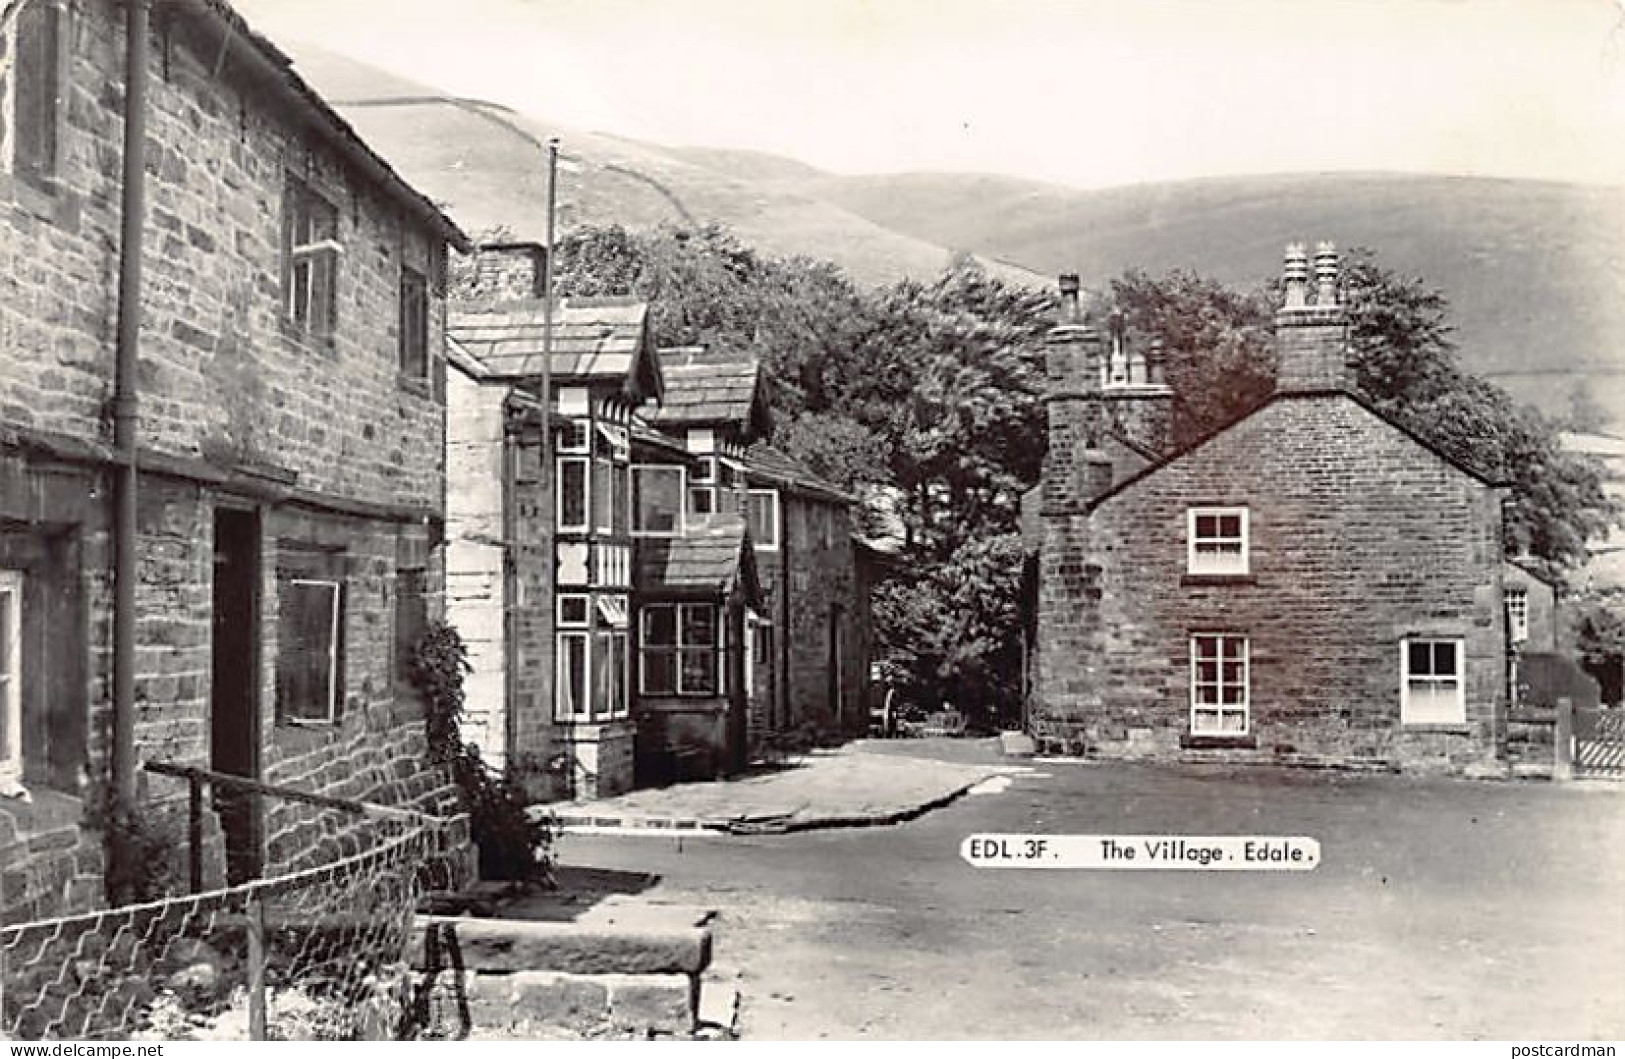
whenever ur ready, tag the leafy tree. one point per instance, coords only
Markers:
(1586, 414)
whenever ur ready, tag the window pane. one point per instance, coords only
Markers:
(702, 501)
(1207, 526)
(659, 672)
(1444, 659)
(1230, 526)
(1205, 721)
(1207, 672)
(603, 676)
(306, 649)
(572, 610)
(1233, 721)
(704, 471)
(572, 677)
(657, 498)
(1207, 647)
(660, 626)
(699, 674)
(36, 88)
(620, 497)
(602, 500)
(617, 670)
(763, 519)
(573, 493)
(699, 625)
(1420, 656)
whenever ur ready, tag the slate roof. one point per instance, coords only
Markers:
(706, 387)
(274, 67)
(764, 461)
(713, 556)
(594, 339)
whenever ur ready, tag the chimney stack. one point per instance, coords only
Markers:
(1074, 365)
(1311, 338)
(505, 272)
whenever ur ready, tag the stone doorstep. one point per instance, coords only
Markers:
(514, 945)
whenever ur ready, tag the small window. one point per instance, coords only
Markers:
(411, 620)
(573, 475)
(621, 499)
(1217, 540)
(705, 471)
(1432, 685)
(1517, 601)
(310, 629)
(572, 436)
(764, 518)
(657, 500)
(11, 660)
(702, 501)
(414, 344)
(574, 609)
(680, 650)
(31, 130)
(1219, 685)
(311, 252)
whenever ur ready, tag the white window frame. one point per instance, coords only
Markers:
(1209, 563)
(574, 436)
(334, 692)
(682, 499)
(1220, 658)
(561, 675)
(772, 494)
(586, 495)
(11, 660)
(1407, 712)
(1516, 598)
(305, 260)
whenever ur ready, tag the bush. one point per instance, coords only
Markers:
(512, 844)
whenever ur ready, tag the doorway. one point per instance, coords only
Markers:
(234, 698)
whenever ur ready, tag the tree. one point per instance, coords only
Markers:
(1586, 414)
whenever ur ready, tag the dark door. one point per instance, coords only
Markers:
(233, 707)
(738, 726)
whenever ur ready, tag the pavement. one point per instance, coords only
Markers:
(866, 783)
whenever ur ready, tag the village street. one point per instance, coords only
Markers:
(1442, 909)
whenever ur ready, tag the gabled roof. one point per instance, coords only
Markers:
(763, 461)
(711, 557)
(712, 388)
(1291, 395)
(274, 71)
(594, 340)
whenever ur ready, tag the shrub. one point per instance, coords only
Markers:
(512, 844)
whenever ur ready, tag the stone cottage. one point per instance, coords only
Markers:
(256, 385)
(1311, 583)
(741, 614)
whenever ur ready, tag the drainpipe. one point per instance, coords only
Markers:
(125, 413)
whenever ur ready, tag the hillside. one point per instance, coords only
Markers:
(483, 164)
(1535, 271)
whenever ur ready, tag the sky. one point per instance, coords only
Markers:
(1087, 93)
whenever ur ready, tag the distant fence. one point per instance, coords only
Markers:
(318, 953)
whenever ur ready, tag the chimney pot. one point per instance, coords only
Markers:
(1069, 298)
(1295, 274)
(1326, 275)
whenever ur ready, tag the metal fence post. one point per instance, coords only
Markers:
(256, 966)
(194, 831)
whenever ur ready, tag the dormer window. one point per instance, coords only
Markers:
(1217, 541)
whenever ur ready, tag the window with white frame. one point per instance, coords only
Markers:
(575, 609)
(764, 518)
(11, 695)
(1432, 686)
(1220, 690)
(310, 650)
(570, 697)
(574, 478)
(679, 646)
(572, 436)
(311, 253)
(1517, 603)
(657, 500)
(1217, 540)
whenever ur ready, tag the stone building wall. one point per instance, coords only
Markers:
(326, 439)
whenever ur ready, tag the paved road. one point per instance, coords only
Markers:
(1442, 910)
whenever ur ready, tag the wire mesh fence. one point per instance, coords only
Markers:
(318, 952)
